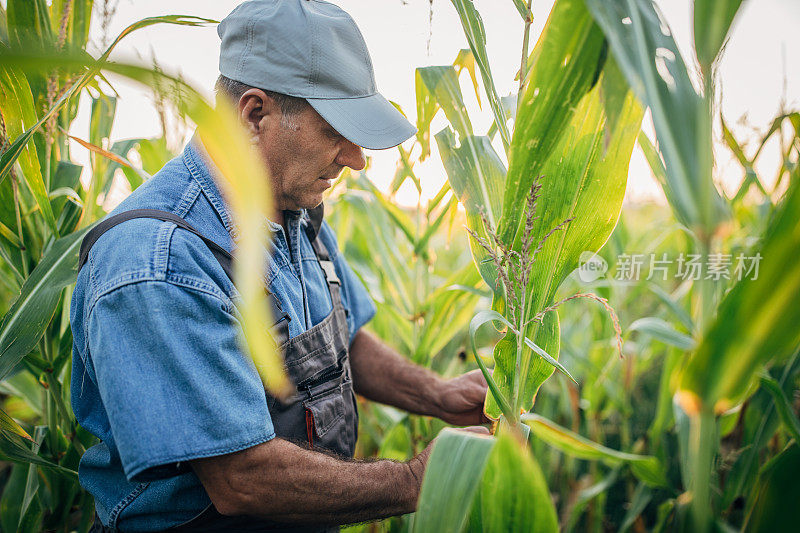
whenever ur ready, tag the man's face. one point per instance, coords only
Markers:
(304, 154)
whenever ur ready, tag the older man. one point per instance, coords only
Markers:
(189, 437)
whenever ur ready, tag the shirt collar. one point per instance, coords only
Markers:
(204, 171)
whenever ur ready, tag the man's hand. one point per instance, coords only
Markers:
(382, 375)
(460, 399)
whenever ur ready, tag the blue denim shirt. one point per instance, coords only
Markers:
(157, 371)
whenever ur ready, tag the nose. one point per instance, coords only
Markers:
(351, 155)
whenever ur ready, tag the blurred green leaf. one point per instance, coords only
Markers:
(774, 504)
(756, 321)
(782, 405)
(513, 493)
(646, 467)
(712, 23)
(663, 331)
(452, 478)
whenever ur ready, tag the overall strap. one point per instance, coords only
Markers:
(224, 257)
(314, 223)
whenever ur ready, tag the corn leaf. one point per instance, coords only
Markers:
(774, 505)
(466, 60)
(452, 478)
(584, 181)
(565, 66)
(661, 330)
(645, 51)
(513, 494)
(712, 23)
(19, 114)
(32, 481)
(441, 83)
(756, 321)
(7, 57)
(29, 315)
(646, 467)
(782, 405)
(15, 448)
(472, 24)
(476, 175)
(8, 424)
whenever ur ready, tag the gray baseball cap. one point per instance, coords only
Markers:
(313, 50)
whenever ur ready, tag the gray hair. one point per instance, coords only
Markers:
(290, 106)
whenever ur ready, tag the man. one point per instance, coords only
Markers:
(189, 437)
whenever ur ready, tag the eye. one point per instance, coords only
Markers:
(333, 135)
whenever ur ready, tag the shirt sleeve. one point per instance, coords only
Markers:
(172, 378)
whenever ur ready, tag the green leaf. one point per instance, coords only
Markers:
(641, 497)
(19, 113)
(29, 22)
(32, 481)
(16, 449)
(396, 444)
(712, 22)
(466, 60)
(26, 320)
(37, 61)
(646, 467)
(774, 504)
(584, 181)
(782, 405)
(499, 397)
(565, 64)
(646, 53)
(513, 494)
(472, 24)
(442, 84)
(8, 424)
(452, 478)
(663, 331)
(476, 175)
(756, 321)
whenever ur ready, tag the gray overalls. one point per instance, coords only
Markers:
(323, 413)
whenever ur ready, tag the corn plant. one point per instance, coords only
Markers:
(575, 125)
(643, 59)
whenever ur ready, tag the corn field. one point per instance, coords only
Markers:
(643, 362)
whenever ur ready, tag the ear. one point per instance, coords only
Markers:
(257, 111)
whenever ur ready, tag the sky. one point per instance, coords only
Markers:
(404, 34)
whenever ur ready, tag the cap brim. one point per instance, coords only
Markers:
(370, 122)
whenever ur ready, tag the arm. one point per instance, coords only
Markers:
(282, 482)
(382, 375)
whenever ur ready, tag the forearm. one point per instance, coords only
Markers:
(382, 375)
(282, 482)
